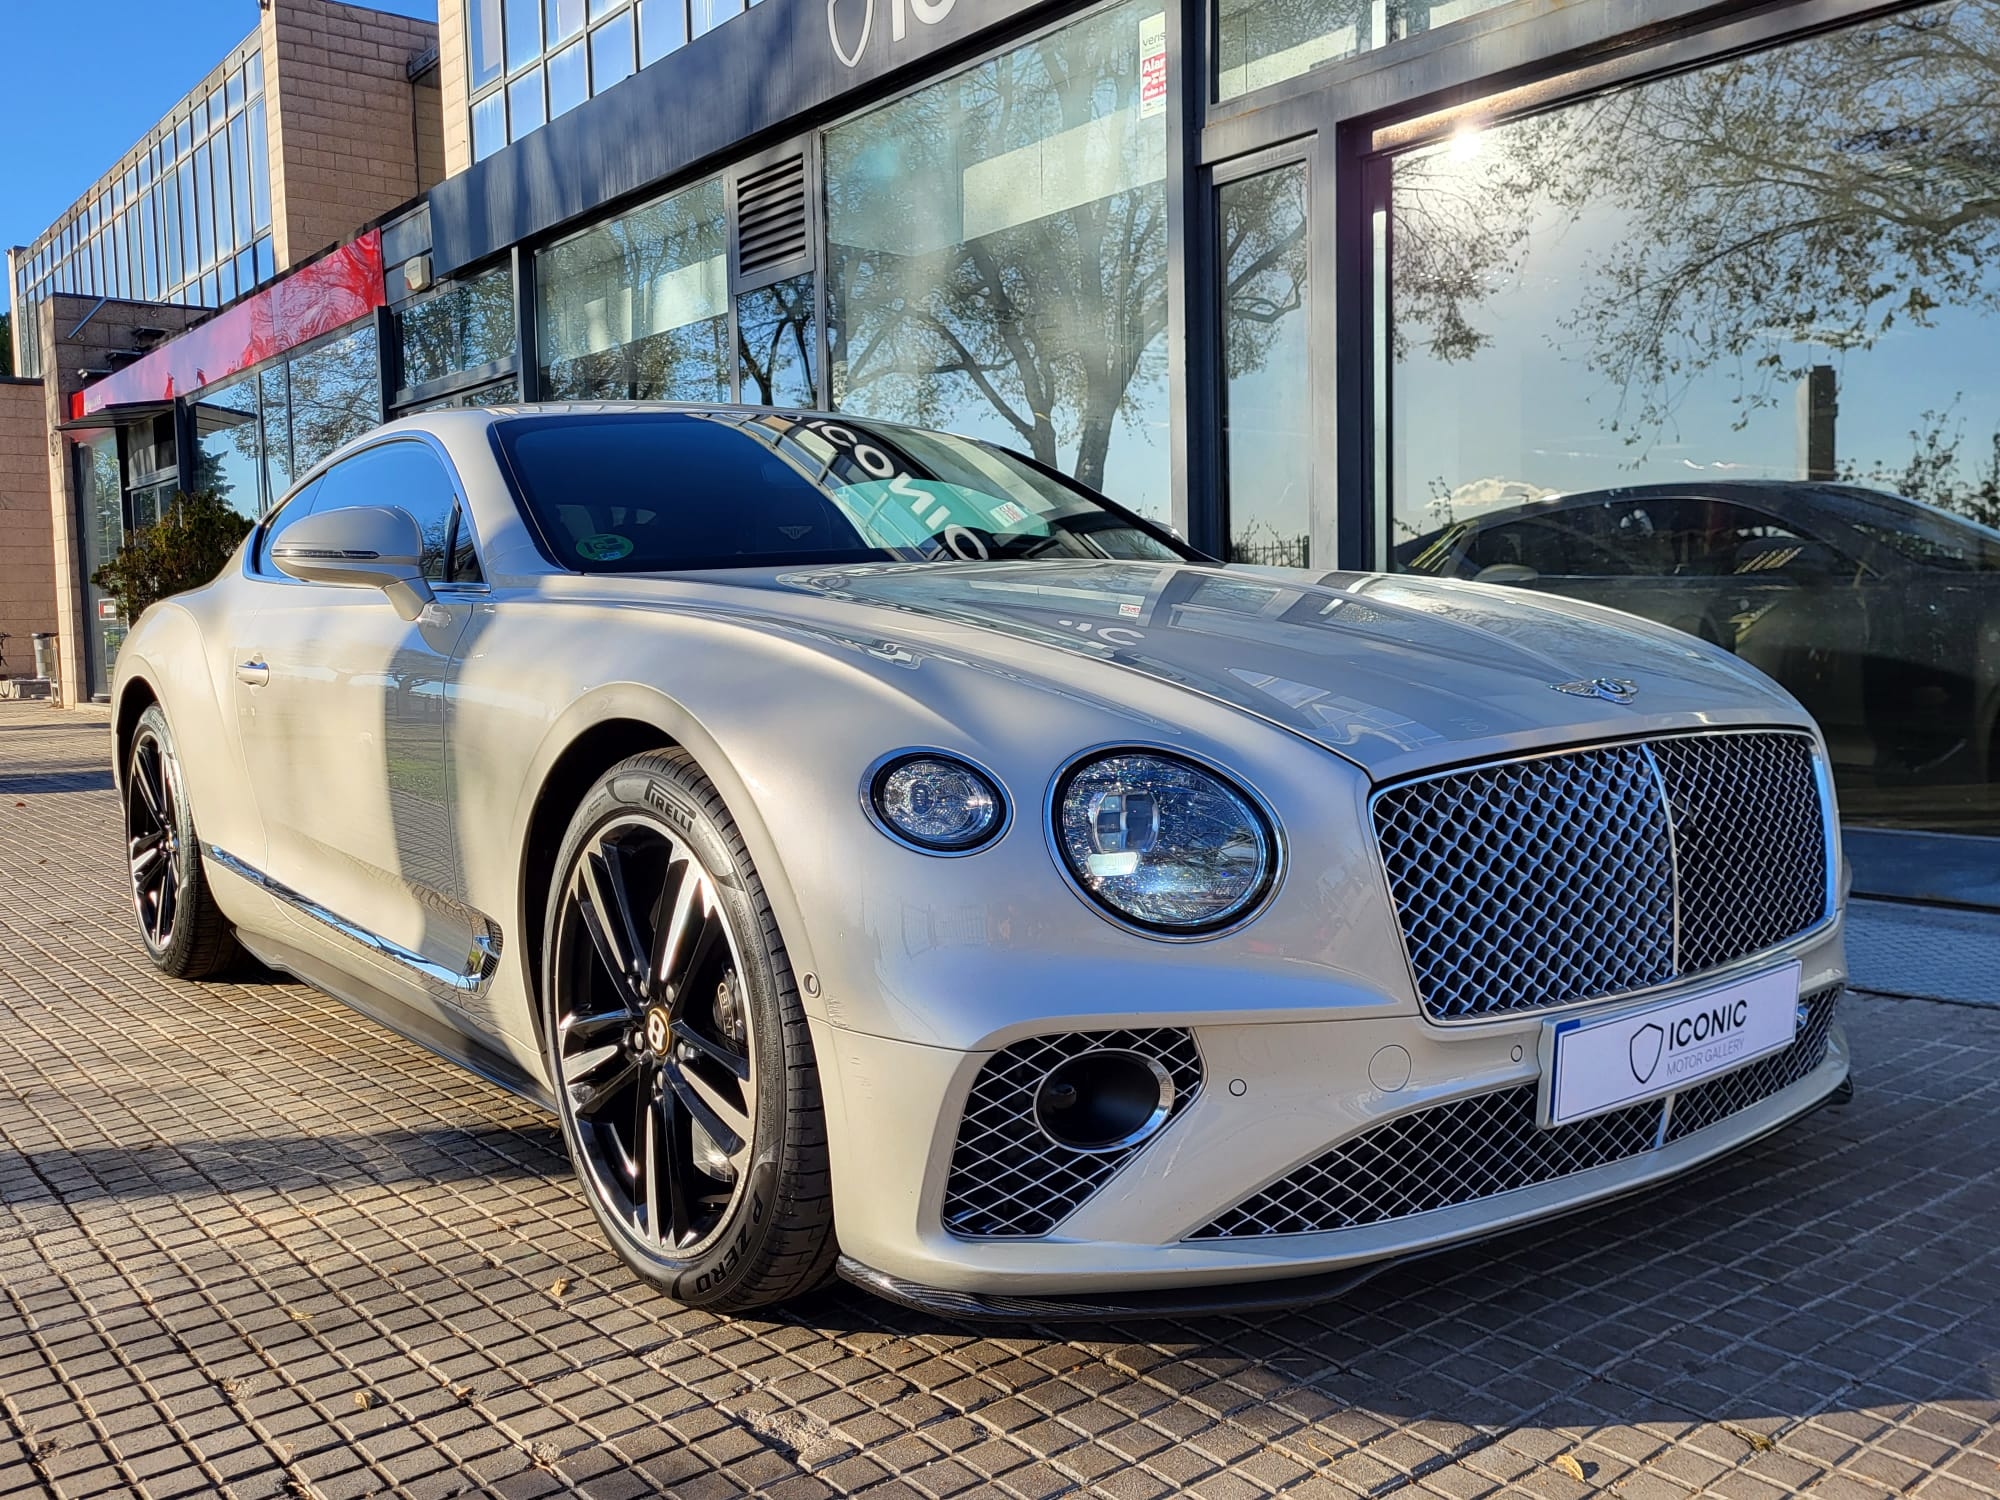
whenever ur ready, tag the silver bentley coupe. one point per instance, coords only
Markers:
(888, 857)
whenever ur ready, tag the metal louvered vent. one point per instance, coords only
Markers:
(1489, 1144)
(1573, 877)
(1008, 1179)
(771, 226)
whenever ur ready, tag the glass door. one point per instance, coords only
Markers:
(101, 532)
(1276, 448)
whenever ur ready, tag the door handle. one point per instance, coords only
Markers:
(255, 672)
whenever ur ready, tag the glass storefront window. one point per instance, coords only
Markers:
(777, 345)
(489, 125)
(706, 15)
(526, 109)
(997, 256)
(102, 533)
(569, 80)
(1258, 42)
(638, 308)
(611, 53)
(460, 327)
(663, 28)
(483, 58)
(1267, 397)
(274, 390)
(228, 452)
(336, 392)
(1717, 350)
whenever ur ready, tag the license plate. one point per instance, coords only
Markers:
(1592, 1065)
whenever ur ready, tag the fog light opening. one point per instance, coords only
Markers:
(1104, 1101)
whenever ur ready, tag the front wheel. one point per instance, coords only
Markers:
(185, 933)
(677, 1046)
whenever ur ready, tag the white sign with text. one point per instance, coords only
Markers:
(1591, 1065)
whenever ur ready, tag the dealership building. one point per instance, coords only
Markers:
(1355, 284)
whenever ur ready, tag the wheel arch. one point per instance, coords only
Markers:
(593, 736)
(135, 696)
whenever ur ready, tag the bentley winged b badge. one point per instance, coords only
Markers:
(1610, 689)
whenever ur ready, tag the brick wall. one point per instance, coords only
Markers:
(343, 119)
(452, 87)
(27, 552)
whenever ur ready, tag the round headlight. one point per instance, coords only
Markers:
(936, 802)
(1163, 843)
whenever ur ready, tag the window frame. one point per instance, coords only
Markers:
(462, 524)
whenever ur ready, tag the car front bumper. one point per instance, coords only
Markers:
(1274, 1097)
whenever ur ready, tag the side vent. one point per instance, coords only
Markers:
(771, 227)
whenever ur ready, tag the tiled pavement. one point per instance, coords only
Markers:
(251, 1244)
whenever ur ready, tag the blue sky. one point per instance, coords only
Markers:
(87, 78)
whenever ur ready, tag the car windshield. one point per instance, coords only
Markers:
(1925, 534)
(666, 491)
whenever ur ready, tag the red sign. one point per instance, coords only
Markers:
(328, 294)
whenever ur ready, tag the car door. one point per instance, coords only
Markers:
(342, 714)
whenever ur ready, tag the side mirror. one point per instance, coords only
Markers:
(360, 546)
(1519, 574)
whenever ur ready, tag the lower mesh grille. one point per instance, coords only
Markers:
(1488, 1144)
(1008, 1179)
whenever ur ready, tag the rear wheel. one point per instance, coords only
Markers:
(674, 1037)
(185, 933)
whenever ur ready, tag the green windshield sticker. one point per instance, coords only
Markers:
(604, 546)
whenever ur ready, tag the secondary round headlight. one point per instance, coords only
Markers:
(937, 802)
(1162, 843)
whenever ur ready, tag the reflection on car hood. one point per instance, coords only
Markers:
(1387, 671)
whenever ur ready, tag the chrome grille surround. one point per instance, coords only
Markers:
(1008, 1179)
(1560, 879)
(1487, 1144)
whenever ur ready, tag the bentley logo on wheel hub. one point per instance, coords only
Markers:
(659, 1030)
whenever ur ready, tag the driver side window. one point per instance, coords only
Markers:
(404, 474)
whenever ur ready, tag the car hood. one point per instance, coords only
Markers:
(1388, 671)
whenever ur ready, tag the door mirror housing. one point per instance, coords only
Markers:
(359, 546)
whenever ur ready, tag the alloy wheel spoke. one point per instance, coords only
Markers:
(587, 1098)
(608, 874)
(581, 1029)
(149, 861)
(145, 779)
(689, 973)
(735, 1062)
(163, 910)
(613, 961)
(725, 1121)
(688, 891)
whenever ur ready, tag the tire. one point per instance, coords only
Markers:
(185, 933)
(677, 1047)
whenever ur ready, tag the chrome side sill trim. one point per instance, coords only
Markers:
(480, 962)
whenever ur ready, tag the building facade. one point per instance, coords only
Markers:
(1644, 302)
(326, 117)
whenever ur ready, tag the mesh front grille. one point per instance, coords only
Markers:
(1489, 1144)
(1008, 1179)
(1545, 882)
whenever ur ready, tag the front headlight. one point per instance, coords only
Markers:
(934, 802)
(1163, 843)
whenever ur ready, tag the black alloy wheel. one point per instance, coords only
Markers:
(185, 933)
(677, 1047)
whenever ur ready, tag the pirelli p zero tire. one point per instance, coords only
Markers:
(185, 934)
(677, 1047)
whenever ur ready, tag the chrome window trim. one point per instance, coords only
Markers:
(481, 962)
(1797, 943)
(1280, 852)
